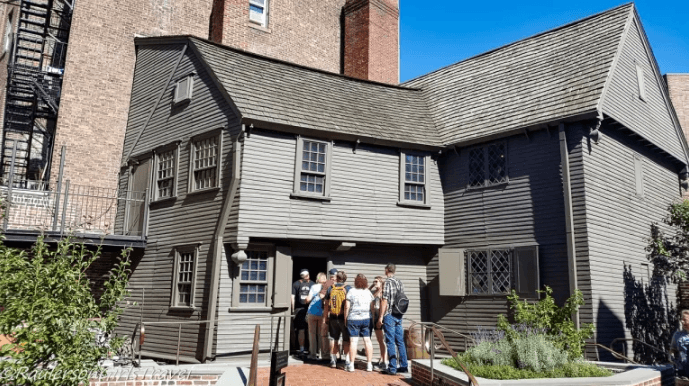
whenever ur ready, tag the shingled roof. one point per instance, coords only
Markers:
(282, 93)
(550, 76)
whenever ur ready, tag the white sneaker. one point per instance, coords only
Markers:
(333, 362)
(349, 367)
(369, 367)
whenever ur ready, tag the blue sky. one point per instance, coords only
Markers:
(434, 35)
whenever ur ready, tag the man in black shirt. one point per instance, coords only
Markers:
(300, 290)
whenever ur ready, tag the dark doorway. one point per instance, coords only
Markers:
(314, 265)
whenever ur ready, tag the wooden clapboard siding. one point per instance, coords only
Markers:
(189, 219)
(364, 190)
(651, 117)
(618, 222)
(527, 210)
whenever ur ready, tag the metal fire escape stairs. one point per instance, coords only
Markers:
(34, 83)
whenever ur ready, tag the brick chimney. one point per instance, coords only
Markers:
(371, 41)
(678, 86)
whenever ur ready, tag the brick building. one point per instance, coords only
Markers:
(92, 85)
(678, 87)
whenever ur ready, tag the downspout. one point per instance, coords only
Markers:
(216, 259)
(569, 218)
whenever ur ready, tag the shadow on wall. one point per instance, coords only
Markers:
(649, 316)
(608, 328)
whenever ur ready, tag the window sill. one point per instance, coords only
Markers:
(162, 200)
(249, 309)
(502, 184)
(310, 197)
(410, 204)
(202, 191)
(258, 27)
(182, 309)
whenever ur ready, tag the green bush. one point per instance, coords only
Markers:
(534, 352)
(49, 310)
(575, 369)
(548, 317)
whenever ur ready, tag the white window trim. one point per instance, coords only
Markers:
(641, 82)
(197, 138)
(175, 173)
(264, 19)
(178, 250)
(296, 191)
(486, 161)
(189, 90)
(413, 203)
(236, 305)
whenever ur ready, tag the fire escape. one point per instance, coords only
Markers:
(34, 83)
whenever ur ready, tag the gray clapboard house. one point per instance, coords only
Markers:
(543, 162)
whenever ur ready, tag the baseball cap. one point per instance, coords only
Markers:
(333, 271)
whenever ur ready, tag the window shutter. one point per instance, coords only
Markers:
(641, 83)
(282, 278)
(452, 277)
(526, 271)
(639, 175)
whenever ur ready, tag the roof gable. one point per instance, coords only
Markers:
(280, 93)
(651, 117)
(554, 75)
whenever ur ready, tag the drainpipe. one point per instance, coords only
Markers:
(216, 259)
(569, 218)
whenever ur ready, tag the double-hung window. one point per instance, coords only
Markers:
(184, 280)
(253, 279)
(166, 172)
(413, 179)
(312, 168)
(258, 12)
(205, 161)
(488, 165)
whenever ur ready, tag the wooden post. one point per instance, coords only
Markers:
(253, 369)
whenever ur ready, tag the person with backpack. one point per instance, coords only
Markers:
(300, 291)
(333, 313)
(393, 307)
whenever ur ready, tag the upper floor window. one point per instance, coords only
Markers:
(258, 11)
(413, 178)
(184, 89)
(312, 168)
(166, 174)
(488, 165)
(205, 158)
(184, 280)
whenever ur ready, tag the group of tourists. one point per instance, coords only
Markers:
(331, 310)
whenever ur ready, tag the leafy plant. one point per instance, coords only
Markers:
(573, 369)
(547, 317)
(669, 253)
(52, 316)
(534, 352)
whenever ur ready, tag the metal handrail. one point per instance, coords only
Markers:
(430, 346)
(656, 349)
(613, 352)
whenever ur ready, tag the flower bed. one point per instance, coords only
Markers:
(630, 375)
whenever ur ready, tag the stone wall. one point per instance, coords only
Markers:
(200, 380)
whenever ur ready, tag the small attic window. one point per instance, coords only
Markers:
(640, 82)
(183, 89)
(258, 11)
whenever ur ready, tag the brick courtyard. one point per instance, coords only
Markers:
(318, 375)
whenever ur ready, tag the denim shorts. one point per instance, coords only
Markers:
(360, 328)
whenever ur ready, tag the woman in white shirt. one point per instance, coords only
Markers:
(358, 317)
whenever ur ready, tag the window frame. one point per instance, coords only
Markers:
(641, 82)
(178, 251)
(269, 249)
(486, 166)
(191, 183)
(264, 15)
(174, 148)
(488, 251)
(402, 201)
(176, 99)
(638, 161)
(327, 174)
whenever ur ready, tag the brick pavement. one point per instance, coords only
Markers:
(319, 375)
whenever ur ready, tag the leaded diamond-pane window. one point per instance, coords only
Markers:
(165, 176)
(488, 165)
(254, 278)
(313, 167)
(205, 163)
(185, 276)
(414, 178)
(490, 271)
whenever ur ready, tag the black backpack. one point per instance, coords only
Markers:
(400, 303)
(304, 289)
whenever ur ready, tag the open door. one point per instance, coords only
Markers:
(136, 199)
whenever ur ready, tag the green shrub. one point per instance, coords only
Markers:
(544, 315)
(575, 369)
(534, 352)
(49, 309)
